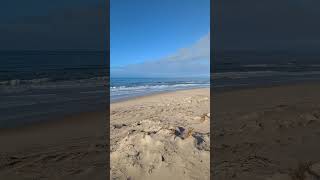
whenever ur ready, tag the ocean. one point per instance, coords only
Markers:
(249, 69)
(42, 85)
(125, 88)
(37, 85)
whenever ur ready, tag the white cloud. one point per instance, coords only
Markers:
(190, 61)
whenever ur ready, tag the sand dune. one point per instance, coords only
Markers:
(161, 136)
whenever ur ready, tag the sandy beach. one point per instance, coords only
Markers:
(73, 147)
(152, 137)
(267, 133)
(163, 136)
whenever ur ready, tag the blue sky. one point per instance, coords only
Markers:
(150, 35)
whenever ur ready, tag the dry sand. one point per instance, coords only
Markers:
(71, 148)
(267, 133)
(163, 136)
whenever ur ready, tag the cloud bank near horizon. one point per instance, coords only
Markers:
(190, 61)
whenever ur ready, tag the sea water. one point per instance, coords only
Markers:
(38, 85)
(129, 87)
(249, 68)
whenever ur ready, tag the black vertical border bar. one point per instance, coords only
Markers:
(108, 88)
(211, 89)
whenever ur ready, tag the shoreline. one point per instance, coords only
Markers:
(45, 121)
(59, 118)
(62, 119)
(155, 94)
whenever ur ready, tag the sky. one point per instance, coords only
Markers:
(159, 38)
(52, 24)
(272, 25)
